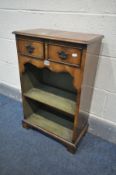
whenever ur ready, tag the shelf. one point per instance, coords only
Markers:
(51, 123)
(48, 98)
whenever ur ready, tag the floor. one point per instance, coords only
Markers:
(27, 152)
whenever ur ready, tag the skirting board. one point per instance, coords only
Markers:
(99, 127)
(10, 91)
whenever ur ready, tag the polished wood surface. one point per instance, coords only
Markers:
(73, 55)
(55, 67)
(75, 37)
(30, 48)
(51, 65)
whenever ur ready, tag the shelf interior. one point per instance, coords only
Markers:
(53, 89)
(48, 119)
(49, 100)
(61, 103)
(49, 125)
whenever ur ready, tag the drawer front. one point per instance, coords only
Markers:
(30, 48)
(64, 54)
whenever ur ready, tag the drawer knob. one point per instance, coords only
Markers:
(30, 49)
(63, 55)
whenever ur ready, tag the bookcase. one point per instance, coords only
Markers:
(51, 65)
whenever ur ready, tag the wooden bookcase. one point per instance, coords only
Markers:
(51, 65)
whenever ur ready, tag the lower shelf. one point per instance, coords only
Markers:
(52, 123)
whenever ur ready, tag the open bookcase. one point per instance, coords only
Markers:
(51, 65)
(49, 100)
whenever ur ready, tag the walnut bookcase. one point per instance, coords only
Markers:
(51, 65)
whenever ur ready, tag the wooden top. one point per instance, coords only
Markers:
(76, 37)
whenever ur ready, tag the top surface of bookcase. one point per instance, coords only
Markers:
(76, 37)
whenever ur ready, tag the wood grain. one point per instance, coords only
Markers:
(38, 49)
(75, 37)
(54, 50)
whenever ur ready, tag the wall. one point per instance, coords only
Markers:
(72, 15)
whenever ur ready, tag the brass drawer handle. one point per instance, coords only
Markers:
(63, 55)
(30, 49)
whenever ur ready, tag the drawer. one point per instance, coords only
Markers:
(30, 48)
(64, 54)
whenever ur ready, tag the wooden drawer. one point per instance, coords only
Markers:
(64, 54)
(30, 48)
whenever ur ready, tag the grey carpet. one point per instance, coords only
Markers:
(28, 152)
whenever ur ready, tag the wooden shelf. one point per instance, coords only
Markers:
(52, 123)
(61, 103)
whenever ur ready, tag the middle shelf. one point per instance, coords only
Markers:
(53, 100)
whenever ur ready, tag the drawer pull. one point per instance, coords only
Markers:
(30, 49)
(63, 55)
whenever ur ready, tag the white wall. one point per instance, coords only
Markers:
(72, 15)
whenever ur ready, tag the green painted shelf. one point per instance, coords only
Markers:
(53, 100)
(51, 123)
